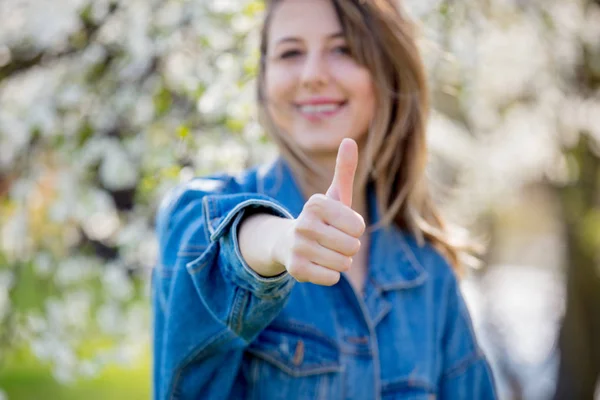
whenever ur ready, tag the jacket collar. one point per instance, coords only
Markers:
(393, 260)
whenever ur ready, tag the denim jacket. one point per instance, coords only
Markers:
(221, 331)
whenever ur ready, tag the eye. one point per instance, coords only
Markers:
(290, 54)
(343, 49)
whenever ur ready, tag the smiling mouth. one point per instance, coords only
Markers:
(319, 111)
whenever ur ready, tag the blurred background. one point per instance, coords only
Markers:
(106, 104)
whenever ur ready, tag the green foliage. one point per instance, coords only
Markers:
(26, 378)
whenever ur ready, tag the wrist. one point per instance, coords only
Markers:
(259, 237)
(278, 253)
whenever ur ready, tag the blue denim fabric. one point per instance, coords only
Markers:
(221, 331)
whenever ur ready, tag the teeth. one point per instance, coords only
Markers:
(321, 108)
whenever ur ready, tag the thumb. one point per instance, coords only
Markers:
(345, 169)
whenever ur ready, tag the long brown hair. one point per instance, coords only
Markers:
(382, 38)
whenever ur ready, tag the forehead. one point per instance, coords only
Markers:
(303, 19)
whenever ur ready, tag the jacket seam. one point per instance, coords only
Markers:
(409, 381)
(294, 327)
(305, 370)
(462, 365)
(194, 266)
(237, 310)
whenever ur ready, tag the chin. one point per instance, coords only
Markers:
(319, 145)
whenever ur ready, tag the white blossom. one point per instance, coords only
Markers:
(117, 170)
(43, 264)
(110, 318)
(74, 270)
(13, 234)
(116, 283)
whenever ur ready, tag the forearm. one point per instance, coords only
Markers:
(261, 237)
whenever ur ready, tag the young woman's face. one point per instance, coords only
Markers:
(315, 90)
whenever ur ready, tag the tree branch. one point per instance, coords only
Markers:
(23, 59)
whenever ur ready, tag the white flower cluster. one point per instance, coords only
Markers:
(150, 93)
(500, 77)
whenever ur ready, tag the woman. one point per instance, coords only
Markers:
(269, 286)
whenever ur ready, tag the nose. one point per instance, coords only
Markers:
(315, 73)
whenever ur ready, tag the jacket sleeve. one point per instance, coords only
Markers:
(208, 304)
(466, 373)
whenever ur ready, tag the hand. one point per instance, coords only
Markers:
(321, 242)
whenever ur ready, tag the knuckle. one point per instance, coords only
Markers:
(320, 198)
(302, 224)
(298, 269)
(305, 226)
(316, 202)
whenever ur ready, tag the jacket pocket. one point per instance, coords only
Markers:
(294, 361)
(409, 388)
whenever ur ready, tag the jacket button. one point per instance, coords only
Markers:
(299, 353)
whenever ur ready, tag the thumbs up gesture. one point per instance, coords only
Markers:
(325, 236)
(345, 168)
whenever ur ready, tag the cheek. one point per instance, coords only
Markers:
(364, 88)
(367, 94)
(357, 82)
(363, 92)
(279, 90)
(279, 84)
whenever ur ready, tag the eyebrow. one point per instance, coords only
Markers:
(293, 39)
